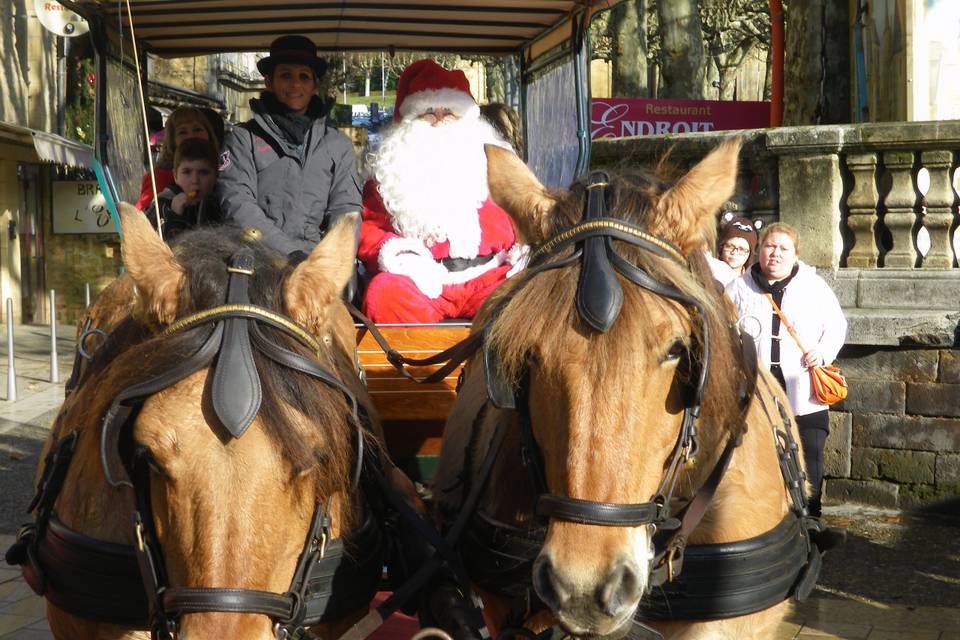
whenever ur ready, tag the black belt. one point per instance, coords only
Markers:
(462, 264)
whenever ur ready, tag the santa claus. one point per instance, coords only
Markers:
(435, 242)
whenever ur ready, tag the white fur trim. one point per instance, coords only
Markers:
(387, 258)
(459, 102)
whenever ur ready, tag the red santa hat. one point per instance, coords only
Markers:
(426, 85)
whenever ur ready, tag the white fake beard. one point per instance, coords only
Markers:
(433, 180)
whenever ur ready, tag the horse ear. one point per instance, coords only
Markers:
(518, 192)
(152, 265)
(687, 209)
(321, 278)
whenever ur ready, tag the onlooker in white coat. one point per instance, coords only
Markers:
(813, 310)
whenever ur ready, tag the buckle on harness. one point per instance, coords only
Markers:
(138, 528)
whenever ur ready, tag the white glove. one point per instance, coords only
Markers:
(518, 255)
(410, 257)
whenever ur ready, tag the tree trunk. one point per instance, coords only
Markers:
(628, 24)
(366, 84)
(682, 59)
(768, 76)
(803, 67)
(496, 84)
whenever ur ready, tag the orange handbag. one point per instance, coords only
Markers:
(828, 384)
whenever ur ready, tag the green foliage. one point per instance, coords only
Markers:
(79, 107)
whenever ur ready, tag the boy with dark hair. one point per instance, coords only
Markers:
(189, 202)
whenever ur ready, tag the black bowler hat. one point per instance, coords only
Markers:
(292, 50)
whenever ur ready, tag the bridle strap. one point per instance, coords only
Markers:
(182, 600)
(610, 228)
(252, 312)
(607, 514)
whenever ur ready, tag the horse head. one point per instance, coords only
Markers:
(603, 340)
(231, 412)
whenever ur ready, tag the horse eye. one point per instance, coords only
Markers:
(156, 467)
(676, 351)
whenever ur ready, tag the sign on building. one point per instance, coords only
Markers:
(60, 20)
(79, 207)
(622, 117)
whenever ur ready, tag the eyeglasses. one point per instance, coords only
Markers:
(735, 250)
(440, 115)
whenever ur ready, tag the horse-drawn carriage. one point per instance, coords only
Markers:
(612, 460)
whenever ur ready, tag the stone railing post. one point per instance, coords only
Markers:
(862, 205)
(811, 189)
(901, 205)
(939, 214)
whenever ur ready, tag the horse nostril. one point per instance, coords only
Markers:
(621, 591)
(548, 584)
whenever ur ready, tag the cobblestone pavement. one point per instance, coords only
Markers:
(898, 576)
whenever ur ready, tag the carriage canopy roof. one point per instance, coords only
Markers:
(175, 28)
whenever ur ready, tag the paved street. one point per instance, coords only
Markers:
(898, 578)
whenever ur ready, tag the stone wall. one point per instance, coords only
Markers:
(75, 260)
(895, 440)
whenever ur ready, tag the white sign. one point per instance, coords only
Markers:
(60, 20)
(79, 207)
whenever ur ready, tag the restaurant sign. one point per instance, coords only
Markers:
(622, 117)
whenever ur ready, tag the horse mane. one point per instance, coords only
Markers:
(545, 311)
(134, 354)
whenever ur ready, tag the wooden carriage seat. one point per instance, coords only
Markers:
(413, 414)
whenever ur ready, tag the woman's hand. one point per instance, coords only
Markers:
(812, 359)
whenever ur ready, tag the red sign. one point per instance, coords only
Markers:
(621, 117)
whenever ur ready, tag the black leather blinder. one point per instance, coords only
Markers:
(236, 388)
(599, 295)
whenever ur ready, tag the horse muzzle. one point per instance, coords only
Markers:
(597, 606)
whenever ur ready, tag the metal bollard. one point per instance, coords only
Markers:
(86, 294)
(11, 366)
(54, 365)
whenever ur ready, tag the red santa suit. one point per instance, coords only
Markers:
(431, 262)
(464, 283)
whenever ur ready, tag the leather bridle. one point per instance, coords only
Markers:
(236, 399)
(599, 299)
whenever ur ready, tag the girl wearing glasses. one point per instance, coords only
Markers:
(738, 241)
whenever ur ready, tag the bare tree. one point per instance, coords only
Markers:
(804, 72)
(682, 58)
(731, 28)
(626, 39)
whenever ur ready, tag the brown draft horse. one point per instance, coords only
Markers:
(228, 512)
(605, 408)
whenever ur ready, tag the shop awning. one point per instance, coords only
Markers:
(59, 150)
(49, 147)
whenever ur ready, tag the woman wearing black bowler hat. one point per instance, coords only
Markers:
(286, 172)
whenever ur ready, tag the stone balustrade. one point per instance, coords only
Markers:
(875, 206)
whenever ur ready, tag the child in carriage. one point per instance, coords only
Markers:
(189, 201)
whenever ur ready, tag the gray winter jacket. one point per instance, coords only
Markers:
(291, 194)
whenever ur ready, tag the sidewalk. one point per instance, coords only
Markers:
(36, 395)
(830, 613)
